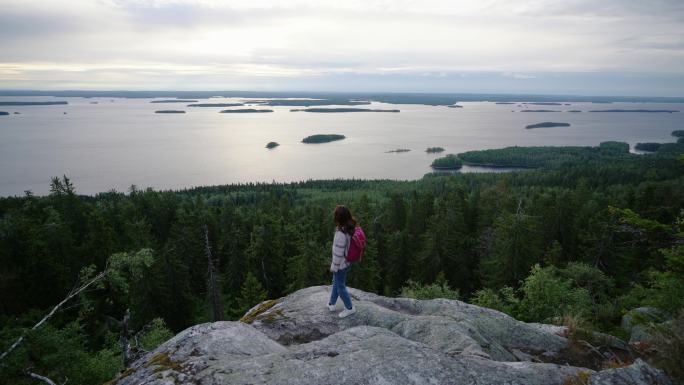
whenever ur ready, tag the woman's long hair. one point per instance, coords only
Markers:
(344, 220)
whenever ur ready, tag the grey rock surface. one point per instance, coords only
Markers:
(296, 340)
(633, 322)
(639, 373)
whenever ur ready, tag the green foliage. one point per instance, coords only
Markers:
(155, 334)
(251, 294)
(545, 295)
(438, 289)
(62, 353)
(503, 300)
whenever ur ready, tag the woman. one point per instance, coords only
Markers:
(344, 228)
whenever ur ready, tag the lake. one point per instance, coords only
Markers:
(113, 143)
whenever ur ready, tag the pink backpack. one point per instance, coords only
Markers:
(357, 246)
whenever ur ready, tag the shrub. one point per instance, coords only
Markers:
(439, 289)
(545, 295)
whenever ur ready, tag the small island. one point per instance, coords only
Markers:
(547, 124)
(322, 138)
(504, 103)
(272, 145)
(324, 110)
(399, 150)
(650, 111)
(678, 133)
(455, 106)
(449, 162)
(244, 111)
(4, 113)
(434, 150)
(545, 104)
(174, 101)
(539, 111)
(33, 103)
(650, 147)
(216, 105)
(574, 110)
(169, 112)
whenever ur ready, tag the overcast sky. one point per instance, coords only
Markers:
(599, 47)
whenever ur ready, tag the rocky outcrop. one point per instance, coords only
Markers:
(639, 373)
(296, 340)
(635, 322)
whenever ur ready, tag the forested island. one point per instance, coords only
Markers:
(245, 111)
(678, 133)
(434, 150)
(216, 105)
(271, 145)
(2, 103)
(169, 112)
(574, 110)
(544, 103)
(449, 162)
(651, 147)
(399, 150)
(307, 102)
(324, 110)
(539, 111)
(505, 103)
(322, 138)
(580, 242)
(547, 124)
(4, 113)
(455, 106)
(174, 101)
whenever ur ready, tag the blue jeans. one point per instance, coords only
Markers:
(339, 288)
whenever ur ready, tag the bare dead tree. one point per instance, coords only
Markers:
(213, 284)
(73, 293)
(46, 380)
(125, 340)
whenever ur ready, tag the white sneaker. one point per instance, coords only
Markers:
(331, 308)
(347, 312)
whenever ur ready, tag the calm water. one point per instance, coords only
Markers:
(119, 142)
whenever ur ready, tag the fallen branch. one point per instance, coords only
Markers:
(43, 378)
(73, 293)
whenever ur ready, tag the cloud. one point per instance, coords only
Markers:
(231, 42)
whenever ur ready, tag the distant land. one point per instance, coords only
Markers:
(449, 162)
(544, 103)
(650, 147)
(307, 102)
(547, 124)
(244, 111)
(32, 103)
(174, 101)
(169, 112)
(678, 133)
(652, 111)
(383, 97)
(322, 138)
(455, 106)
(504, 103)
(434, 150)
(399, 150)
(4, 113)
(539, 111)
(341, 110)
(271, 145)
(574, 110)
(216, 105)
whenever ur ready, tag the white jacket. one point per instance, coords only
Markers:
(340, 247)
